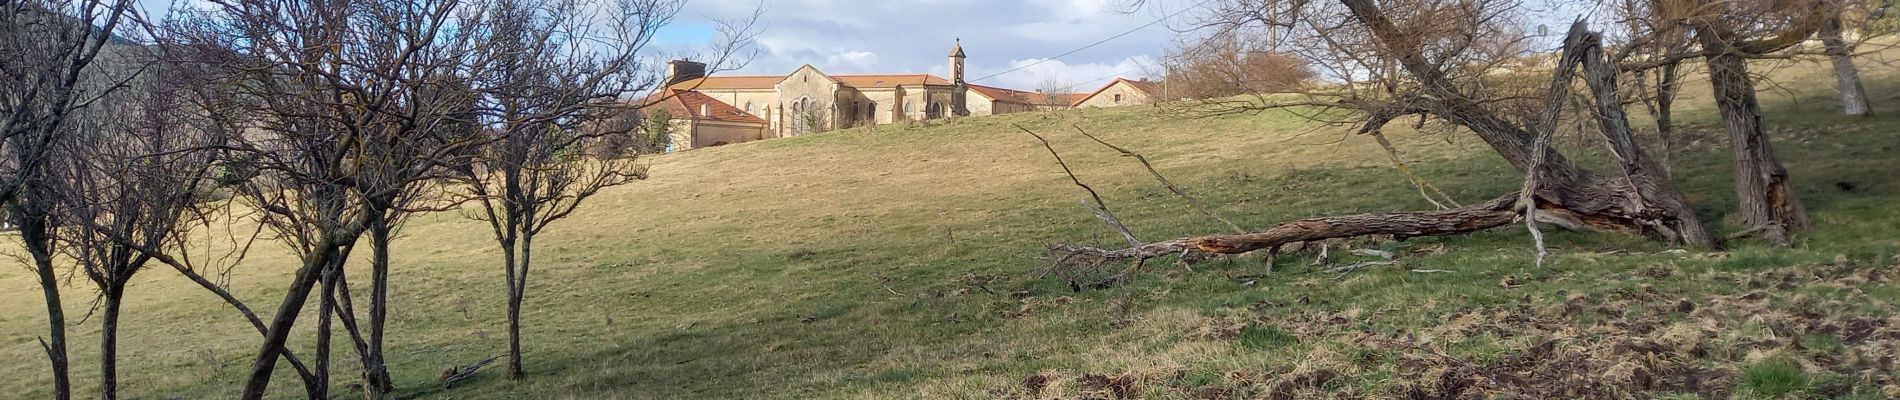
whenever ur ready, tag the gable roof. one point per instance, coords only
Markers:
(1145, 87)
(889, 80)
(767, 82)
(1063, 99)
(728, 83)
(687, 104)
(1001, 94)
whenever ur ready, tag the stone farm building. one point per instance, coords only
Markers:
(709, 111)
(1122, 92)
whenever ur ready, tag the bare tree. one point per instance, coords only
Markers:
(1233, 62)
(130, 182)
(1053, 93)
(1840, 54)
(554, 75)
(1728, 34)
(48, 55)
(334, 92)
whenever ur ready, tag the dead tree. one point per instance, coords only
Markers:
(554, 75)
(49, 51)
(1435, 74)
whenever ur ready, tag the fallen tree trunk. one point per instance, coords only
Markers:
(1472, 218)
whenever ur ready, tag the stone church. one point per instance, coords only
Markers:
(710, 111)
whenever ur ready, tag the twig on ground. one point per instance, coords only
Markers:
(1165, 182)
(457, 374)
(1100, 208)
(1357, 266)
(1418, 182)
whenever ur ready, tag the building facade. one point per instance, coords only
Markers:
(810, 100)
(1123, 92)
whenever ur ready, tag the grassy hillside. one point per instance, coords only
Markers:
(903, 262)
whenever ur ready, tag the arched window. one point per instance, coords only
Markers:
(932, 110)
(910, 107)
(870, 112)
(749, 109)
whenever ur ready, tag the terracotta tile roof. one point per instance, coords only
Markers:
(1003, 95)
(687, 104)
(729, 82)
(1064, 99)
(889, 80)
(769, 82)
(1153, 90)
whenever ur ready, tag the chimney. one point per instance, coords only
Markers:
(682, 70)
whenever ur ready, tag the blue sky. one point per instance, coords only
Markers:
(915, 36)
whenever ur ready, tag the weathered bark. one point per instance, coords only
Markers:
(1472, 218)
(1846, 75)
(518, 287)
(1768, 204)
(38, 240)
(274, 338)
(375, 368)
(109, 344)
(326, 313)
(1652, 192)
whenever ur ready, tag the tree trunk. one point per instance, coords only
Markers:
(1846, 75)
(375, 368)
(286, 317)
(326, 313)
(516, 291)
(303, 371)
(109, 344)
(39, 244)
(1650, 189)
(1767, 202)
(1659, 101)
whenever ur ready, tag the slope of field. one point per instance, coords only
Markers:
(904, 262)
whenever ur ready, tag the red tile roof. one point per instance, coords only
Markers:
(769, 82)
(688, 104)
(729, 82)
(889, 80)
(1039, 98)
(1002, 95)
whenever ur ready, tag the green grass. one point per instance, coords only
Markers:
(1774, 378)
(903, 262)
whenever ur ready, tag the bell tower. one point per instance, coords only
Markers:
(957, 95)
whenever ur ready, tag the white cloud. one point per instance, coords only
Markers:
(1081, 76)
(907, 36)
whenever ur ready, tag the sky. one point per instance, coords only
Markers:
(915, 36)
